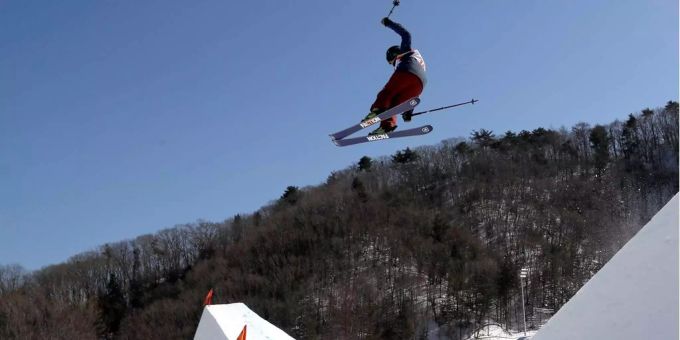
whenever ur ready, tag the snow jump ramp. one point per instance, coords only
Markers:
(634, 296)
(225, 322)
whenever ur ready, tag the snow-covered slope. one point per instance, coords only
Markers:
(225, 322)
(634, 296)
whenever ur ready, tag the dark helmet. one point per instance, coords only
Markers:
(392, 53)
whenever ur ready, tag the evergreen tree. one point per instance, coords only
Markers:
(483, 138)
(403, 157)
(599, 140)
(291, 195)
(112, 309)
(365, 163)
(631, 146)
(136, 285)
(237, 228)
(462, 148)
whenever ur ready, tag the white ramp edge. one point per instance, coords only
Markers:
(634, 296)
(225, 322)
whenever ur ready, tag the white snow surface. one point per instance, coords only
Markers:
(225, 322)
(494, 332)
(634, 296)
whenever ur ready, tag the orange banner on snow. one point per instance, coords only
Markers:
(208, 298)
(242, 336)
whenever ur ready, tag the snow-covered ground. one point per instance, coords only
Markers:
(634, 296)
(494, 332)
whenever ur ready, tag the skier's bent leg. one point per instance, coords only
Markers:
(411, 86)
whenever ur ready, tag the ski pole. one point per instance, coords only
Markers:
(395, 3)
(445, 107)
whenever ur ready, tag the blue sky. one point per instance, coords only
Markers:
(121, 118)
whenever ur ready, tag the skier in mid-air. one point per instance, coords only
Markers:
(399, 96)
(407, 81)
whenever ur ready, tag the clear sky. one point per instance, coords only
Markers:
(121, 118)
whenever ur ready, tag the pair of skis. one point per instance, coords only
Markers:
(339, 137)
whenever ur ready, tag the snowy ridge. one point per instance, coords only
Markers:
(634, 296)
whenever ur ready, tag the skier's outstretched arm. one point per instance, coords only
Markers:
(405, 35)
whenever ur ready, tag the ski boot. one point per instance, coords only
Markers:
(371, 115)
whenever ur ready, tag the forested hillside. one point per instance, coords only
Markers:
(388, 248)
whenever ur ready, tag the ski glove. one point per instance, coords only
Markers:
(385, 21)
(407, 116)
